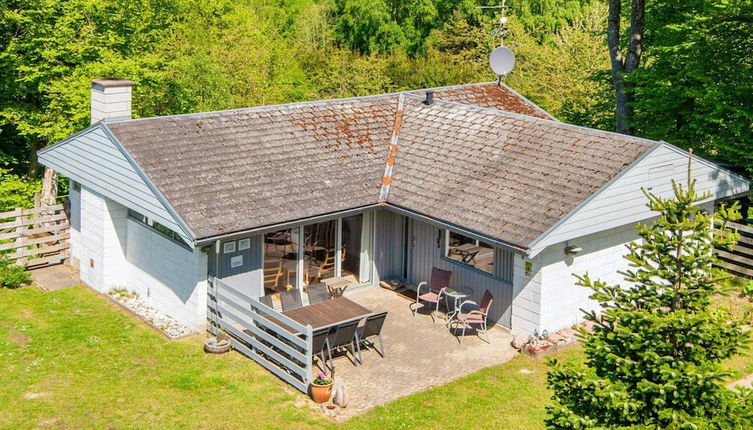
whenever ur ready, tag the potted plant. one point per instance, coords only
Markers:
(217, 344)
(320, 388)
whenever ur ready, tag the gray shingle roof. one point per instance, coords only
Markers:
(503, 175)
(489, 95)
(234, 170)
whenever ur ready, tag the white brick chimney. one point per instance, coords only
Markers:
(110, 99)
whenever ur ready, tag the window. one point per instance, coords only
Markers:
(469, 251)
(170, 234)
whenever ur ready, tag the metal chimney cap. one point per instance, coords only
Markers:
(429, 97)
(112, 82)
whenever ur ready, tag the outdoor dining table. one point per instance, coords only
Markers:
(325, 314)
(457, 294)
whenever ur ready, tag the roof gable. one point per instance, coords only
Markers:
(621, 201)
(94, 158)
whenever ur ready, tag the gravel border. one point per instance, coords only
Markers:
(161, 322)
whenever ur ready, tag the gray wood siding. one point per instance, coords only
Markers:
(388, 246)
(504, 264)
(623, 202)
(248, 277)
(426, 253)
(95, 161)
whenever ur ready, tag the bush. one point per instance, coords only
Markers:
(11, 275)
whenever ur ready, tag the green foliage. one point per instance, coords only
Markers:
(695, 88)
(11, 275)
(747, 289)
(189, 56)
(17, 192)
(574, 55)
(653, 358)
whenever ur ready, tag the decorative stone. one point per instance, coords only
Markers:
(340, 396)
(519, 341)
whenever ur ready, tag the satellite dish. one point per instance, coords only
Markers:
(502, 60)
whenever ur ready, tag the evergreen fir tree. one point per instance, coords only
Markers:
(654, 356)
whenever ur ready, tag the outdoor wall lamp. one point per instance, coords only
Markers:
(572, 250)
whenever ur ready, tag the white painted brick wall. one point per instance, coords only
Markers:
(128, 254)
(88, 245)
(602, 257)
(166, 275)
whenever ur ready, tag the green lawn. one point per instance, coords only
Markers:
(72, 359)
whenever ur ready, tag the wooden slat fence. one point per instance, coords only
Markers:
(246, 321)
(740, 260)
(35, 236)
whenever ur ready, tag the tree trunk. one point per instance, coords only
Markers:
(49, 187)
(622, 68)
(34, 146)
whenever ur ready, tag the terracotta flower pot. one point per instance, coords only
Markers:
(320, 393)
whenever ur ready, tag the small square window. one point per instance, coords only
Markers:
(228, 247)
(244, 244)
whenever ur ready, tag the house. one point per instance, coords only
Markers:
(471, 178)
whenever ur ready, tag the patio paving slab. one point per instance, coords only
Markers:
(419, 354)
(56, 277)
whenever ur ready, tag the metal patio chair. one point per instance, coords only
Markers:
(475, 317)
(290, 300)
(434, 289)
(372, 327)
(343, 339)
(266, 300)
(319, 342)
(317, 293)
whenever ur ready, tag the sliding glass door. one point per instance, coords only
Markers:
(320, 251)
(296, 257)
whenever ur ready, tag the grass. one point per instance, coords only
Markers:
(72, 359)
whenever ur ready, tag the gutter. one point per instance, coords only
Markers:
(273, 227)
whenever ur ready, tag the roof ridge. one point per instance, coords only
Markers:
(332, 101)
(539, 119)
(390, 162)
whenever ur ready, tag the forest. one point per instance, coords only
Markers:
(693, 87)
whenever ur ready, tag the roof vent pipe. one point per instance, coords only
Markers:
(429, 98)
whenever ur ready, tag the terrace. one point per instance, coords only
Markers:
(419, 354)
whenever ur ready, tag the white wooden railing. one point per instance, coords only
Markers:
(257, 331)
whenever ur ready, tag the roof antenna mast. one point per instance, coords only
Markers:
(502, 59)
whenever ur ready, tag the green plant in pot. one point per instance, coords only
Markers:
(320, 388)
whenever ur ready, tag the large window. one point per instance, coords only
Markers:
(469, 251)
(320, 251)
(170, 234)
(280, 260)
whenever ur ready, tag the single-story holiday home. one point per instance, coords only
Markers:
(474, 179)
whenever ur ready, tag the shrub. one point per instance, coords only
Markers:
(11, 275)
(748, 289)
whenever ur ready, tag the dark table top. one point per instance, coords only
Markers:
(328, 313)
